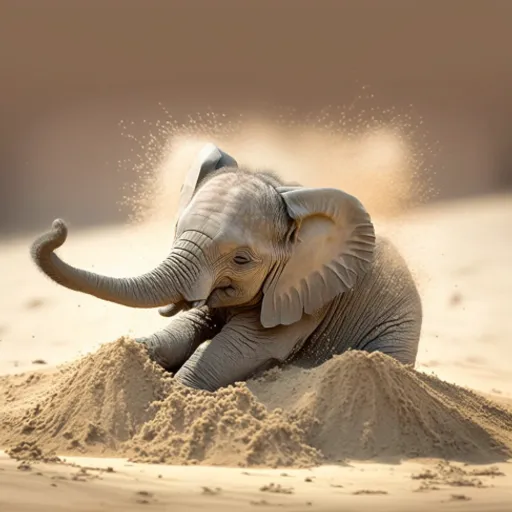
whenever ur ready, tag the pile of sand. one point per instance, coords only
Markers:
(357, 405)
(116, 401)
(227, 428)
(95, 404)
(369, 405)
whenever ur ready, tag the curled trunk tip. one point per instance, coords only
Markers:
(50, 240)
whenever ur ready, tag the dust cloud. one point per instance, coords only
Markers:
(376, 155)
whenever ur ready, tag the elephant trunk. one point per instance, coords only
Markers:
(159, 287)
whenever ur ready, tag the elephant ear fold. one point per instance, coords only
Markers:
(209, 159)
(333, 245)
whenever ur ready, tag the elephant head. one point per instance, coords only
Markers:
(240, 238)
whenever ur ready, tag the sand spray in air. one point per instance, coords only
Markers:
(377, 154)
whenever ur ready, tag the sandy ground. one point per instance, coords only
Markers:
(460, 254)
(329, 488)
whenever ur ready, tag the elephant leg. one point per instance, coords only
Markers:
(174, 344)
(242, 349)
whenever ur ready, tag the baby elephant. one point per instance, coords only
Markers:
(264, 273)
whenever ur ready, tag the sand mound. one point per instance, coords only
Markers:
(228, 428)
(357, 405)
(116, 401)
(369, 405)
(98, 402)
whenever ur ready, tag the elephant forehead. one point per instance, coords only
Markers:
(233, 209)
(235, 199)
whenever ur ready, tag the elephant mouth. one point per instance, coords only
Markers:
(215, 299)
(184, 305)
(221, 294)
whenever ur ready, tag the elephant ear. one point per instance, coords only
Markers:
(332, 245)
(210, 158)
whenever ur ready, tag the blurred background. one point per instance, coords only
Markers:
(84, 86)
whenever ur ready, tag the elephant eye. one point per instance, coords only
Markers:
(242, 259)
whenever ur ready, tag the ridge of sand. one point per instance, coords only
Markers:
(367, 406)
(227, 428)
(357, 406)
(93, 404)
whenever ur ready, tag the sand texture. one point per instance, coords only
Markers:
(81, 415)
(117, 401)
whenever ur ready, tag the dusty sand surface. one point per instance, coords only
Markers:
(360, 432)
(116, 484)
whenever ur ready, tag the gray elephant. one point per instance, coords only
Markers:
(261, 273)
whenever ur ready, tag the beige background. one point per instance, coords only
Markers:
(71, 71)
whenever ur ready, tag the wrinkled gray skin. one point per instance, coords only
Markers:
(271, 274)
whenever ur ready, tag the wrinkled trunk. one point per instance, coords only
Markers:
(160, 287)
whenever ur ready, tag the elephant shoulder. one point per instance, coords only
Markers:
(391, 271)
(387, 253)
